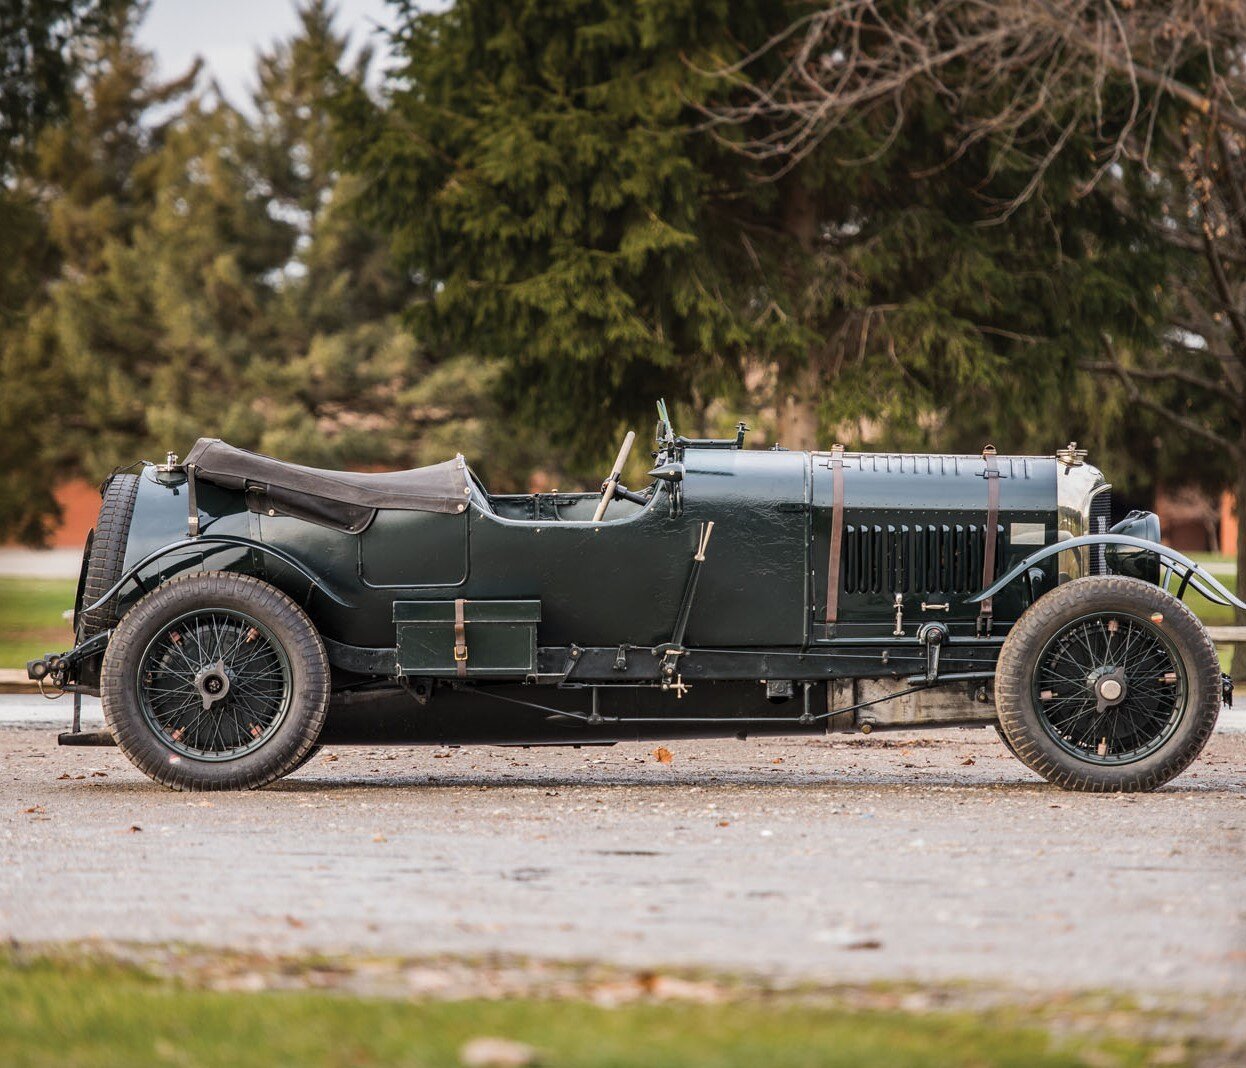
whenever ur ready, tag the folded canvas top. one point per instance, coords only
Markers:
(443, 487)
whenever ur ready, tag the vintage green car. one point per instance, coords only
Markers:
(236, 612)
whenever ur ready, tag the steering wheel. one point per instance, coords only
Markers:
(612, 481)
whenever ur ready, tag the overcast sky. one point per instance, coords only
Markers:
(228, 33)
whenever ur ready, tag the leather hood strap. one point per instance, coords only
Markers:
(834, 562)
(460, 638)
(992, 476)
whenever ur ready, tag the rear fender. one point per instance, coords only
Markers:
(214, 543)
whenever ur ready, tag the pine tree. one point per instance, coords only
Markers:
(537, 170)
(165, 250)
(77, 191)
(330, 378)
(43, 44)
(547, 173)
(344, 381)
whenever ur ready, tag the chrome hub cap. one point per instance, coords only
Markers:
(1111, 689)
(212, 683)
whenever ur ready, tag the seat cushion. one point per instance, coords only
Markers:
(443, 487)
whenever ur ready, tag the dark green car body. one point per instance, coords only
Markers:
(620, 580)
(577, 630)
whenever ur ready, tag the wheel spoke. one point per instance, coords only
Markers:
(245, 710)
(1067, 679)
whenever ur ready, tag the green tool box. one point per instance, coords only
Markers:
(497, 640)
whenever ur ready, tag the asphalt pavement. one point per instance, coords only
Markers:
(929, 856)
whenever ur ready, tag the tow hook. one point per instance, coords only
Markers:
(51, 668)
(57, 668)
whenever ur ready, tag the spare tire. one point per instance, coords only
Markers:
(104, 558)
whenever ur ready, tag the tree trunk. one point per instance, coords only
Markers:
(798, 408)
(799, 387)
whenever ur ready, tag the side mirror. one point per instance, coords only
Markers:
(672, 472)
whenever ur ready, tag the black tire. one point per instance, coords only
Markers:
(306, 758)
(105, 554)
(154, 712)
(1162, 721)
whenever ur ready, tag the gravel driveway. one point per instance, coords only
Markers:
(926, 856)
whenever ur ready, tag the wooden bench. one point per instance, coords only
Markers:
(14, 680)
(1227, 635)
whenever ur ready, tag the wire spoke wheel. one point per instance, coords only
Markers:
(214, 684)
(215, 681)
(1108, 683)
(1110, 687)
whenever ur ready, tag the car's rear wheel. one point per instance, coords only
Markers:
(215, 681)
(1108, 684)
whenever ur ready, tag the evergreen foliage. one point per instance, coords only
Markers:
(531, 230)
(40, 56)
(536, 168)
(544, 170)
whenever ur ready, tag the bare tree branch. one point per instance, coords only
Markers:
(1165, 374)
(1201, 430)
(1038, 62)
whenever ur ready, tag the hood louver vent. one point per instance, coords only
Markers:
(934, 558)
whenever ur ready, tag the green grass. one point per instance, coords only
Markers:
(1214, 615)
(1211, 558)
(30, 618)
(100, 1014)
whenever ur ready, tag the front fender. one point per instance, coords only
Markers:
(1191, 573)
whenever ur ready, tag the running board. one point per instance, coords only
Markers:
(96, 738)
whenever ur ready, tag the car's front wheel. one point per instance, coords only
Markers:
(215, 681)
(1108, 684)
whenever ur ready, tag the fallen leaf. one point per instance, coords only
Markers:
(379, 838)
(663, 755)
(724, 823)
(294, 921)
(33, 809)
(865, 943)
(65, 776)
(330, 757)
(496, 1053)
(135, 828)
(967, 761)
(647, 981)
(99, 775)
(777, 760)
